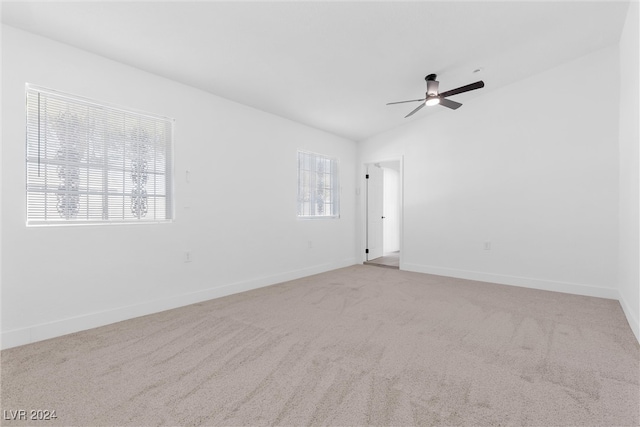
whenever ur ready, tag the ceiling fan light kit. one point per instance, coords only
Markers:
(432, 100)
(433, 97)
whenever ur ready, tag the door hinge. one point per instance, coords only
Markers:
(366, 251)
(366, 176)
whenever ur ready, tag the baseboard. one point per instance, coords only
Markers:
(525, 282)
(634, 322)
(31, 334)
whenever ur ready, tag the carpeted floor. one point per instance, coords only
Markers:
(356, 346)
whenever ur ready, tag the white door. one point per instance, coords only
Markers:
(375, 203)
(391, 198)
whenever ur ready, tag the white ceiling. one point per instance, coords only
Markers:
(331, 65)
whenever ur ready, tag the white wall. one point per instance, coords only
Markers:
(629, 169)
(531, 167)
(237, 214)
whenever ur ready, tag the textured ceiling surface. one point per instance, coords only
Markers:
(331, 65)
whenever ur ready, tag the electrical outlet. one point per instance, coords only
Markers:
(188, 256)
(487, 245)
(310, 244)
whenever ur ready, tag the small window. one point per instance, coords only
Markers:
(318, 191)
(88, 162)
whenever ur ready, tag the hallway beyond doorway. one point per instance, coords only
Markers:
(388, 260)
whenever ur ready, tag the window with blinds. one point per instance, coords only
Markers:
(318, 191)
(88, 162)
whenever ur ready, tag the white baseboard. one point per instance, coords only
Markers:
(31, 334)
(634, 322)
(525, 282)
(17, 337)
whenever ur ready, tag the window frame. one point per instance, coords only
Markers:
(335, 186)
(128, 113)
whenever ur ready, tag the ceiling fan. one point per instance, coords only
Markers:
(433, 97)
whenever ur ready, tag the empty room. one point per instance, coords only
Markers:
(320, 213)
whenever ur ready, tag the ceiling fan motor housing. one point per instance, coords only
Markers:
(432, 85)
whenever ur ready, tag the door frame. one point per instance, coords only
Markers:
(365, 209)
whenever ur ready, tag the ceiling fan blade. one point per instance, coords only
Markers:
(467, 88)
(402, 102)
(450, 104)
(414, 111)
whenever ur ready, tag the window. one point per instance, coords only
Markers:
(318, 191)
(88, 162)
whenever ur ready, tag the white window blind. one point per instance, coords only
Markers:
(318, 190)
(88, 162)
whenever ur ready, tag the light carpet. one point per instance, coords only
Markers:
(356, 346)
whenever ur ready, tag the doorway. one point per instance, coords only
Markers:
(383, 213)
